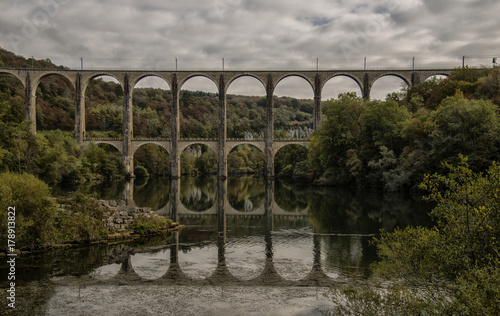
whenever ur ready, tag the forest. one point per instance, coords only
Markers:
(392, 144)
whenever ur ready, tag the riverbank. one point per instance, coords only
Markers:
(119, 223)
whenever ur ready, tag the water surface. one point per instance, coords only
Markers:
(246, 240)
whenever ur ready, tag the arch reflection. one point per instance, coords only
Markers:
(321, 237)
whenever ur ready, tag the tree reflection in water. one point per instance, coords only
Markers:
(152, 192)
(247, 193)
(198, 193)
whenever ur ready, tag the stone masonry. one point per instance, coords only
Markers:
(118, 215)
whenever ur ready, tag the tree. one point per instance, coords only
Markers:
(460, 256)
(340, 132)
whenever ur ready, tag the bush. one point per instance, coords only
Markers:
(35, 211)
(81, 220)
(150, 225)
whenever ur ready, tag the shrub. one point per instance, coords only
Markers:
(34, 208)
(150, 225)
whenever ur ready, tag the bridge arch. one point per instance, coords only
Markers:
(437, 75)
(212, 145)
(96, 118)
(286, 161)
(246, 158)
(36, 81)
(115, 144)
(387, 79)
(346, 82)
(190, 76)
(279, 145)
(233, 144)
(142, 76)
(151, 106)
(392, 74)
(136, 145)
(281, 77)
(242, 75)
(15, 74)
(152, 156)
(300, 100)
(341, 76)
(192, 112)
(89, 77)
(55, 112)
(246, 120)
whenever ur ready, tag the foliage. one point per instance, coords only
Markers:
(198, 159)
(460, 256)
(150, 225)
(35, 211)
(391, 144)
(289, 160)
(246, 159)
(103, 160)
(39, 224)
(363, 299)
(81, 220)
(154, 159)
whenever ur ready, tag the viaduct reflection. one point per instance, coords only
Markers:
(221, 275)
(197, 200)
(337, 226)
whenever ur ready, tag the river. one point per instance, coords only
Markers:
(250, 246)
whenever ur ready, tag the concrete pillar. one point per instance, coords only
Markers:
(317, 103)
(269, 273)
(317, 252)
(366, 87)
(221, 220)
(128, 159)
(175, 198)
(269, 173)
(415, 79)
(30, 101)
(174, 131)
(128, 194)
(221, 150)
(79, 110)
(269, 205)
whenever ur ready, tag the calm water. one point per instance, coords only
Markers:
(244, 237)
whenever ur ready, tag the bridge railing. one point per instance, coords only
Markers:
(293, 139)
(187, 139)
(255, 139)
(151, 138)
(285, 139)
(103, 139)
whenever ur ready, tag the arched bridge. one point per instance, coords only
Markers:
(127, 145)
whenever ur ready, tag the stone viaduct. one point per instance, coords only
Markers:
(127, 145)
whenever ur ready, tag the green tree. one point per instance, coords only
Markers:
(460, 256)
(340, 132)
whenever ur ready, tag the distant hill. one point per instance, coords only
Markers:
(9, 59)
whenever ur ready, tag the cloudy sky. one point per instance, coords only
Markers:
(254, 34)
